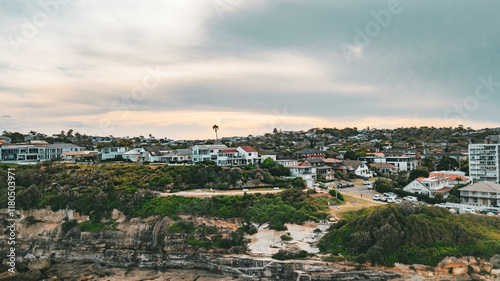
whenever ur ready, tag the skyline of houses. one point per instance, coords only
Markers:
(312, 164)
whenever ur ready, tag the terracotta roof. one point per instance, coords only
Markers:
(451, 177)
(232, 150)
(248, 148)
(383, 165)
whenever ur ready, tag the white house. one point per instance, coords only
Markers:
(430, 186)
(112, 152)
(132, 155)
(359, 168)
(240, 156)
(307, 173)
(206, 152)
(179, 155)
(153, 154)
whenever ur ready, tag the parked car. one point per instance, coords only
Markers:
(453, 211)
(442, 205)
(390, 194)
(489, 210)
(466, 210)
(398, 201)
(391, 199)
(370, 186)
(410, 198)
(384, 199)
(377, 197)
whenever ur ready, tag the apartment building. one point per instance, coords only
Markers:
(484, 162)
(484, 193)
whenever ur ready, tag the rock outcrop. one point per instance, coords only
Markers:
(145, 249)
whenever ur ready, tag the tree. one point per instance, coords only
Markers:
(349, 154)
(447, 164)
(15, 137)
(216, 128)
(418, 173)
(429, 163)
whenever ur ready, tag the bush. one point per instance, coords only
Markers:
(181, 227)
(68, 225)
(336, 194)
(411, 234)
(282, 255)
(286, 238)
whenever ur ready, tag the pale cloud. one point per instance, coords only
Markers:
(249, 66)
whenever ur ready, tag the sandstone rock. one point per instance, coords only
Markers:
(32, 275)
(29, 257)
(98, 270)
(460, 270)
(40, 264)
(476, 268)
(495, 272)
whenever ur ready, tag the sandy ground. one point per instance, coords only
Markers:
(268, 241)
(202, 193)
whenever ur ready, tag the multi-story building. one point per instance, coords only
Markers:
(36, 152)
(404, 162)
(240, 156)
(206, 152)
(484, 162)
(483, 193)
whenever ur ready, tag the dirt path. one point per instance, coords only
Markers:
(353, 202)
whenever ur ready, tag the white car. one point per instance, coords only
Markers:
(466, 210)
(377, 197)
(390, 194)
(391, 199)
(410, 198)
(442, 205)
(453, 211)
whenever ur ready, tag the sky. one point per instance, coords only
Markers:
(175, 68)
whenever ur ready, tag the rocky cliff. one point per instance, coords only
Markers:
(145, 249)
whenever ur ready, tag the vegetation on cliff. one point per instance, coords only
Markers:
(408, 233)
(129, 188)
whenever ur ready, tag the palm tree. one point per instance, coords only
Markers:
(216, 128)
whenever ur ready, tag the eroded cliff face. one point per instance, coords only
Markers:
(143, 249)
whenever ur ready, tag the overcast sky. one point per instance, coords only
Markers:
(176, 68)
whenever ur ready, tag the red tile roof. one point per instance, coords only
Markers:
(248, 148)
(451, 177)
(228, 151)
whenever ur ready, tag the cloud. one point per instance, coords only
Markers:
(241, 62)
